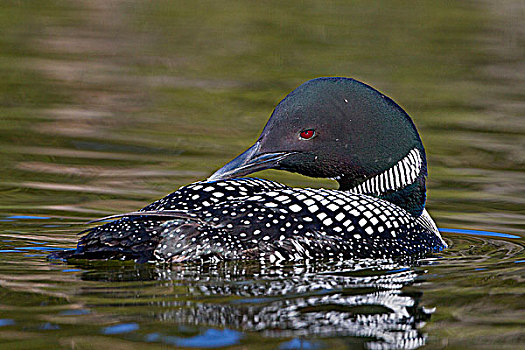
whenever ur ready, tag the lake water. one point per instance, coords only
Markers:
(106, 106)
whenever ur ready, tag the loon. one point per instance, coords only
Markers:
(332, 127)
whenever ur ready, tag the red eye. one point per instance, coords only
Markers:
(307, 134)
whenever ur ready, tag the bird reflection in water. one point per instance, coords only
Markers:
(361, 299)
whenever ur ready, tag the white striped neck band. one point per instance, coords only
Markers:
(402, 174)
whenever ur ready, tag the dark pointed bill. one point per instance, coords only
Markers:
(249, 162)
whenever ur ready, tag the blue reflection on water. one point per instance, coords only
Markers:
(30, 217)
(297, 344)
(252, 301)
(26, 249)
(38, 248)
(34, 255)
(403, 269)
(120, 328)
(478, 233)
(49, 326)
(74, 312)
(211, 338)
(6, 322)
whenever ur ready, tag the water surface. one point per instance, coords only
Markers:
(106, 106)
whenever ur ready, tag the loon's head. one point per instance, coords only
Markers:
(343, 129)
